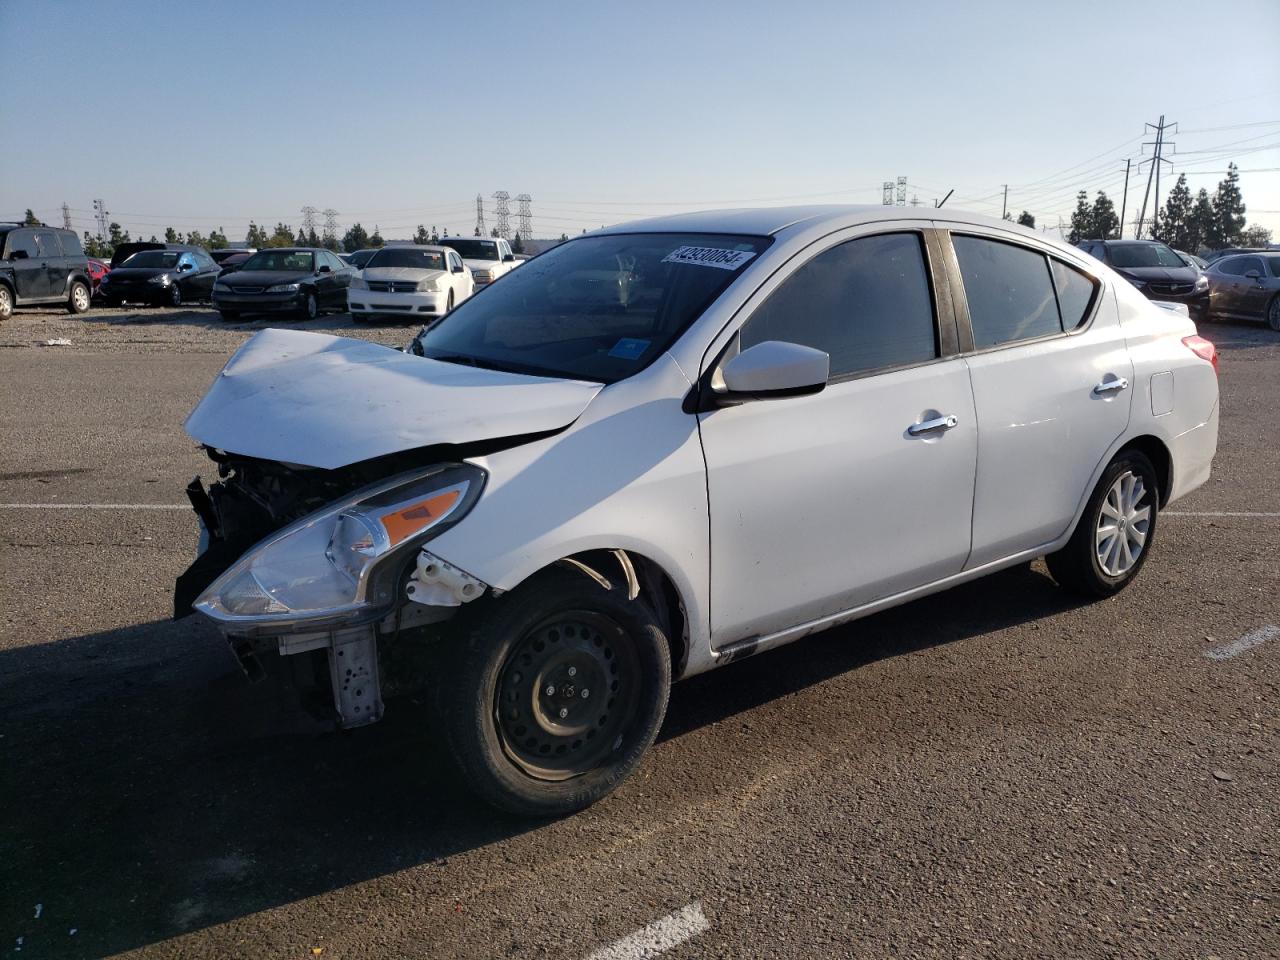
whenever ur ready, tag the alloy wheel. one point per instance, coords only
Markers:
(6, 303)
(80, 298)
(1123, 524)
(566, 695)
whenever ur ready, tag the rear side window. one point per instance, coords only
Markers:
(71, 245)
(1075, 293)
(1009, 289)
(866, 302)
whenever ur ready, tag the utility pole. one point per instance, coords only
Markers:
(915, 200)
(938, 203)
(1004, 206)
(66, 216)
(480, 230)
(1124, 200)
(1153, 173)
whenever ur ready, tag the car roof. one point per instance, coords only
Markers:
(437, 248)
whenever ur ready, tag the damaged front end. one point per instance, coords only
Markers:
(326, 563)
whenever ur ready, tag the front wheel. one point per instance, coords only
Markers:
(6, 302)
(78, 302)
(310, 308)
(448, 306)
(1273, 313)
(553, 694)
(175, 296)
(1115, 533)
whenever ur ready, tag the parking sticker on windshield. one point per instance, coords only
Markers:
(629, 349)
(716, 257)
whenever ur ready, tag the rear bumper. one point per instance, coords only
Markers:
(373, 303)
(1193, 454)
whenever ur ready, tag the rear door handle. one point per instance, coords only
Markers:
(929, 426)
(1111, 386)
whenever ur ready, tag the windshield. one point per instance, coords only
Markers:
(154, 258)
(598, 308)
(473, 249)
(1144, 255)
(283, 261)
(360, 257)
(407, 257)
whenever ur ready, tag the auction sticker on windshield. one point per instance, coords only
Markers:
(709, 257)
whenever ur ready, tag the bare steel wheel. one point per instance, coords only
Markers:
(566, 694)
(1114, 535)
(549, 696)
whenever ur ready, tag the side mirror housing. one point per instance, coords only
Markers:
(184, 267)
(456, 269)
(324, 268)
(1253, 275)
(774, 369)
(508, 258)
(18, 255)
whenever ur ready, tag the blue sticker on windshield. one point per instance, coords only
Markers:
(629, 349)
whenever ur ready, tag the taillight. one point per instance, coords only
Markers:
(1203, 349)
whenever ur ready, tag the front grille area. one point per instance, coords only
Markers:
(247, 289)
(1172, 289)
(393, 286)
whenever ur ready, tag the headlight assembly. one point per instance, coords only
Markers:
(284, 288)
(337, 565)
(358, 284)
(429, 285)
(162, 280)
(1202, 284)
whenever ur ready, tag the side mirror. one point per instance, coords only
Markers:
(18, 255)
(184, 267)
(774, 369)
(508, 258)
(1253, 275)
(324, 268)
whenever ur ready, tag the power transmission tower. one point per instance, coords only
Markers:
(524, 216)
(330, 225)
(480, 230)
(100, 214)
(887, 198)
(1124, 200)
(66, 216)
(902, 191)
(1157, 158)
(915, 200)
(502, 212)
(309, 221)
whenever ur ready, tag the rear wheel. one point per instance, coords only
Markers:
(1114, 536)
(6, 302)
(1273, 313)
(554, 695)
(78, 302)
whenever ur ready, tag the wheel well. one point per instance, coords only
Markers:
(1155, 451)
(632, 571)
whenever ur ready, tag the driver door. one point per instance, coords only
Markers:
(826, 502)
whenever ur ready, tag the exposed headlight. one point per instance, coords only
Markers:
(222, 285)
(1202, 284)
(284, 288)
(331, 565)
(162, 280)
(358, 284)
(429, 285)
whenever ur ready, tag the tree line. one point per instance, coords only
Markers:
(1202, 222)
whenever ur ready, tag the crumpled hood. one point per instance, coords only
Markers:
(323, 401)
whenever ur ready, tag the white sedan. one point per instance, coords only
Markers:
(677, 443)
(414, 281)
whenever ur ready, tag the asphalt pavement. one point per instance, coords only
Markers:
(996, 771)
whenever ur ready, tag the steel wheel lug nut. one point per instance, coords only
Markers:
(551, 690)
(564, 712)
(585, 693)
(573, 671)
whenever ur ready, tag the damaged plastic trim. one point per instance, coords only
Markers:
(438, 583)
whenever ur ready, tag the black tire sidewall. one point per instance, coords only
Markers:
(466, 698)
(307, 302)
(1139, 464)
(1271, 312)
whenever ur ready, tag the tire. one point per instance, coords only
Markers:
(228, 315)
(175, 296)
(448, 304)
(1078, 566)
(80, 297)
(1273, 313)
(517, 652)
(310, 307)
(6, 302)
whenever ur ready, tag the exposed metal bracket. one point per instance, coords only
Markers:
(353, 671)
(437, 583)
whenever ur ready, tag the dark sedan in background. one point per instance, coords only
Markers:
(1246, 287)
(301, 281)
(1156, 270)
(170, 277)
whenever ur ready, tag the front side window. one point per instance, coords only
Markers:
(866, 303)
(1253, 263)
(597, 308)
(1009, 290)
(1274, 263)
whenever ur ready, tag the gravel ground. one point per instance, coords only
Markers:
(997, 771)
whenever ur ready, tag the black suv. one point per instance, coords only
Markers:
(1156, 270)
(42, 265)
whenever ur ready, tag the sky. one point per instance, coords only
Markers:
(206, 114)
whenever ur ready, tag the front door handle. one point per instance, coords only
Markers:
(1111, 386)
(929, 426)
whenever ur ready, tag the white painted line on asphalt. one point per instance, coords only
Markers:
(95, 506)
(1218, 513)
(658, 937)
(1254, 638)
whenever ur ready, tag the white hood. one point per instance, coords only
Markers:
(482, 264)
(322, 401)
(412, 274)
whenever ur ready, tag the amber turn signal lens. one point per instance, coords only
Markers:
(404, 522)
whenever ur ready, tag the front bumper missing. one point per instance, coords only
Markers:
(353, 670)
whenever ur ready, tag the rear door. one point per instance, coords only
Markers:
(822, 503)
(54, 262)
(1050, 374)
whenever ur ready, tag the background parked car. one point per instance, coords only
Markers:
(1246, 287)
(359, 258)
(42, 265)
(1154, 269)
(1231, 252)
(226, 253)
(297, 280)
(423, 282)
(161, 277)
(1191, 260)
(233, 263)
(97, 270)
(487, 259)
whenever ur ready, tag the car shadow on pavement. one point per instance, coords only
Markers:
(152, 792)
